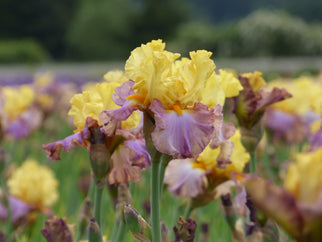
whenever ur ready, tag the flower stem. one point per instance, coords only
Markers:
(252, 162)
(121, 232)
(164, 163)
(187, 211)
(155, 201)
(97, 207)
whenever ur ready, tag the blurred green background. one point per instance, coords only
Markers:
(36, 31)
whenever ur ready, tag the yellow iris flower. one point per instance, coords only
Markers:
(307, 96)
(303, 178)
(34, 184)
(239, 158)
(97, 98)
(159, 75)
(17, 100)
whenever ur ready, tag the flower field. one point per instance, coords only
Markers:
(163, 148)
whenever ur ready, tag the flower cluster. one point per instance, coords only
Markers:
(291, 119)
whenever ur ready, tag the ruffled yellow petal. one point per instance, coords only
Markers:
(150, 67)
(115, 76)
(193, 76)
(303, 178)
(213, 93)
(239, 158)
(229, 83)
(92, 102)
(34, 184)
(306, 95)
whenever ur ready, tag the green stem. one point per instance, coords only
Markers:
(164, 163)
(187, 211)
(97, 207)
(268, 166)
(155, 201)
(252, 162)
(114, 231)
(121, 232)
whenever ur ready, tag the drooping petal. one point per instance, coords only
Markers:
(122, 92)
(226, 147)
(123, 171)
(276, 203)
(77, 139)
(141, 158)
(183, 135)
(111, 119)
(183, 179)
(269, 97)
(250, 104)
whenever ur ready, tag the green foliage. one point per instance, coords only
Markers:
(278, 34)
(222, 40)
(43, 20)
(109, 29)
(101, 30)
(263, 33)
(22, 51)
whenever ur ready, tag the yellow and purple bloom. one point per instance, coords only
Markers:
(184, 97)
(297, 206)
(19, 117)
(124, 147)
(194, 176)
(32, 187)
(250, 104)
(34, 183)
(291, 119)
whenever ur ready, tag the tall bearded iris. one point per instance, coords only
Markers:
(174, 93)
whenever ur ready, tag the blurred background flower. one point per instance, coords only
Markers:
(34, 184)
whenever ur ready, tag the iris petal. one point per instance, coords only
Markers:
(183, 135)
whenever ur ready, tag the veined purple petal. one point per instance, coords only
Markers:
(270, 97)
(246, 102)
(77, 139)
(183, 179)
(122, 92)
(111, 119)
(226, 147)
(183, 135)
(222, 135)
